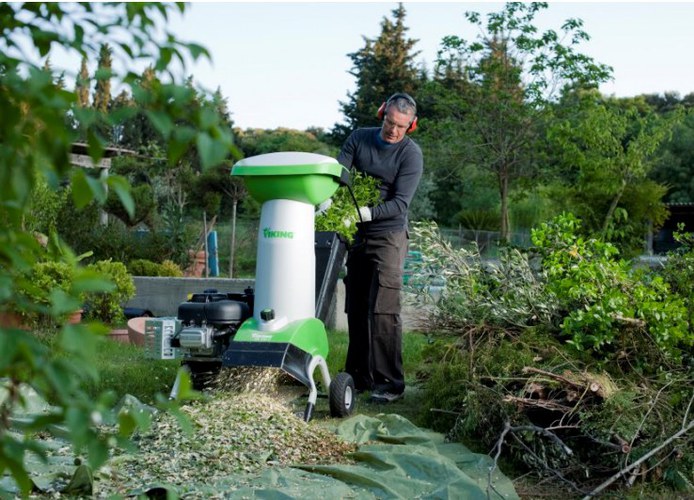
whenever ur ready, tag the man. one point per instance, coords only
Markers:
(376, 259)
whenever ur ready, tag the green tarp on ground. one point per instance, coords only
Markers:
(395, 459)
(399, 460)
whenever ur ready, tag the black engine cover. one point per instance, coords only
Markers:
(220, 312)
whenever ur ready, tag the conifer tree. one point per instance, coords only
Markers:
(221, 104)
(102, 90)
(82, 85)
(384, 65)
(137, 132)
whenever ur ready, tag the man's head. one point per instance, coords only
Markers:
(399, 114)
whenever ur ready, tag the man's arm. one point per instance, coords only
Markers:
(404, 187)
(346, 156)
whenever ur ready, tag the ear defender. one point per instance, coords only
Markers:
(413, 126)
(382, 110)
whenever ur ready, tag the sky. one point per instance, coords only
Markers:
(286, 64)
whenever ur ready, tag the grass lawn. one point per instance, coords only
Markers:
(412, 346)
(124, 369)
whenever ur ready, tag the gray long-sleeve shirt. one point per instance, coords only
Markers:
(399, 168)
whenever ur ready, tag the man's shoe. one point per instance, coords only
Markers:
(385, 396)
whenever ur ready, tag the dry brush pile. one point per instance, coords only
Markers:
(563, 361)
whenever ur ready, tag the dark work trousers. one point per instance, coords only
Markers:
(373, 283)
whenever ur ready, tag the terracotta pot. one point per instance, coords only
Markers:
(136, 330)
(119, 335)
(197, 267)
(75, 317)
(10, 319)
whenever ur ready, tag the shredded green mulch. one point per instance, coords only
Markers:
(234, 433)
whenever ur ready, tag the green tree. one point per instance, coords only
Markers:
(221, 103)
(510, 73)
(82, 84)
(231, 190)
(102, 89)
(439, 135)
(384, 65)
(606, 148)
(135, 130)
(36, 148)
(674, 166)
(258, 141)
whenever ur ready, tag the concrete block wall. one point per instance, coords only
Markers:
(162, 295)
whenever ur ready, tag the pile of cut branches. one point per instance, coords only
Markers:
(564, 359)
(559, 420)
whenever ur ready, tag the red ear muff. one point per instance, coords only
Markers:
(413, 126)
(381, 111)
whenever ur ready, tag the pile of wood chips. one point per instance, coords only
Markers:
(243, 427)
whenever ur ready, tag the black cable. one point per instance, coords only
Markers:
(356, 203)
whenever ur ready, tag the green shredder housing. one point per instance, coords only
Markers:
(305, 177)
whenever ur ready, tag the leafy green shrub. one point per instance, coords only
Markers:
(107, 306)
(245, 266)
(46, 205)
(51, 275)
(342, 215)
(45, 295)
(600, 296)
(36, 147)
(170, 268)
(144, 267)
(83, 232)
(117, 242)
(577, 288)
(679, 272)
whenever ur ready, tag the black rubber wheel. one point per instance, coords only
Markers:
(342, 395)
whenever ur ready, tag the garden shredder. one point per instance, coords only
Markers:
(274, 325)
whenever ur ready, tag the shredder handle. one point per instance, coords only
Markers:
(345, 179)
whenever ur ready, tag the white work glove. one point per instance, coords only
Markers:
(365, 213)
(323, 207)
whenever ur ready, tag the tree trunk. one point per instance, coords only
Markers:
(613, 207)
(503, 194)
(232, 244)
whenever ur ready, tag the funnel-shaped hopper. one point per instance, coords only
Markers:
(306, 177)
